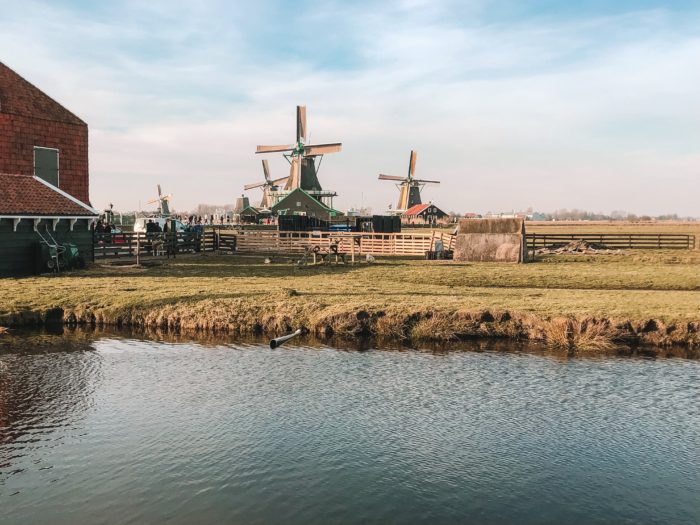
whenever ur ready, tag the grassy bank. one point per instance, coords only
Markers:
(580, 303)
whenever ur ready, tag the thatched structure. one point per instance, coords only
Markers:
(496, 240)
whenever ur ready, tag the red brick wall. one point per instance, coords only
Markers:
(19, 135)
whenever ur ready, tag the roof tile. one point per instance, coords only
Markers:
(25, 195)
(416, 209)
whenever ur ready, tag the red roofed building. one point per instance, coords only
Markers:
(424, 214)
(44, 179)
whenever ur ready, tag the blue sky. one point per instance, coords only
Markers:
(511, 104)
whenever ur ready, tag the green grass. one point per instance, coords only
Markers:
(221, 292)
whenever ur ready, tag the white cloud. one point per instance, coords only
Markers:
(595, 113)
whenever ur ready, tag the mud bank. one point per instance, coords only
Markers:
(573, 334)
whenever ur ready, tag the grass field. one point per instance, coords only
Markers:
(619, 294)
(691, 228)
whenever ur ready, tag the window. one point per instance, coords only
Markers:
(46, 164)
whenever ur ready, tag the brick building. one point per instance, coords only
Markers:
(44, 179)
(40, 137)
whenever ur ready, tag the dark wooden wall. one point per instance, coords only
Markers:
(19, 250)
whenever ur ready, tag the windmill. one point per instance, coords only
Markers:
(409, 187)
(268, 186)
(163, 203)
(302, 157)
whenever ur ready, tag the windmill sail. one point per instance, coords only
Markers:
(301, 156)
(268, 185)
(409, 187)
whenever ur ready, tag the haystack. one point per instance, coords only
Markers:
(495, 240)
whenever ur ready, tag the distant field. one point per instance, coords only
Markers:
(692, 228)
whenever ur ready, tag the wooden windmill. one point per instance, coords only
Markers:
(302, 156)
(163, 203)
(268, 186)
(409, 187)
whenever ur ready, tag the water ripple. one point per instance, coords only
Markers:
(134, 431)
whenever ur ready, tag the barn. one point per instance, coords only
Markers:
(44, 178)
(424, 214)
(299, 202)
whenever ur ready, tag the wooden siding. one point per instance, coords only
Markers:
(19, 249)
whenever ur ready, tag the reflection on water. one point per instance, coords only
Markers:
(46, 384)
(98, 429)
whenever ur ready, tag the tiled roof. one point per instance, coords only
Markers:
(27, 195)
(19, 97)
(416, 209)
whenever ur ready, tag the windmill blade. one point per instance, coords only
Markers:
(293, 181)
(423, 181)
(301, 123)
(266, 170)
(390, 177)
(273, 149)
(152, 201)
(412, 165)
(159, 192)
(277, 181)
(254, 185)
(322, 149)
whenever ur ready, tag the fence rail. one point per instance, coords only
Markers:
(347, 242)
(397, 244)
(128, 244)
(648, 241)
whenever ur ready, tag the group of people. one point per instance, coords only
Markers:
(205, 220)
(103, 226)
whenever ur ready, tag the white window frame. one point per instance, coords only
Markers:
(58, 163)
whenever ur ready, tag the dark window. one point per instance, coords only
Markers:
(46, 164)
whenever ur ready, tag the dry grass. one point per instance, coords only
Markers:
(582, 303)
(691, 228)
(583, 335)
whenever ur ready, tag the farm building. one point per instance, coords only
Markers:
(299, 202)
(253, 215)
(44, 181)
(424, 214)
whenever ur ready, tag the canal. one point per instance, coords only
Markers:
(110, 429)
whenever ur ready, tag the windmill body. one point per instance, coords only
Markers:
(409, 187)
(304, 162)
(163, 203)
(268, 185)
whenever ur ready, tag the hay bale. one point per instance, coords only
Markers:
(487, 247)
(515, 226)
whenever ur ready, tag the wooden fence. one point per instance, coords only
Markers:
(128, 244)
(641, 241)
(347, 242)
(227, 240)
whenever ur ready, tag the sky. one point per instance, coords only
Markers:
(511, 104)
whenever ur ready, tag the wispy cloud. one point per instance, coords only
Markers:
(509, 107)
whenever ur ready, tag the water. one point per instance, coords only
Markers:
(109, 430)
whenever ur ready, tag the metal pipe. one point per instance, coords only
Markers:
(279, 341)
